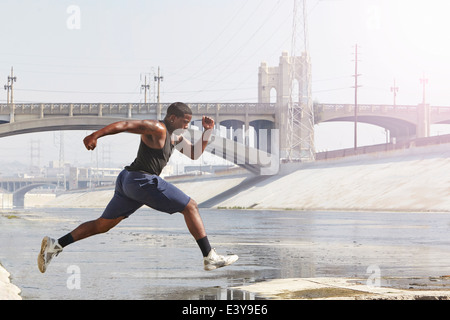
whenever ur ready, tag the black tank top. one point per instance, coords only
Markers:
(152, 160)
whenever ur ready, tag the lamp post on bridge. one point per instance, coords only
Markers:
(356, 75)
(423, 127)
(10, 93)
(145, 87)
(394, 89)
(159, 79)
(424, 82)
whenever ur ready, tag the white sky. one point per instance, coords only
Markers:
(210, 51)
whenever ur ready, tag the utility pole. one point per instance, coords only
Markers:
(145, 87)
(423, 127)
(356, 75)
(159, 78)
(10, 93)
(394, 89)
(7, 88)
(424, 82)
(13, 79)
(10, 87)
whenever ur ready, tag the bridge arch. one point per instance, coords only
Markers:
(19, 195)
(55, 124)
(263, 134)
(236, 127)
(399, 129)
(94, 123)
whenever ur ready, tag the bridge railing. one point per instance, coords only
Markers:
(376, 108)
(100, 109)
(198, 108)
(366, 108)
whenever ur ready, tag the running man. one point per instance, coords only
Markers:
(139, 184)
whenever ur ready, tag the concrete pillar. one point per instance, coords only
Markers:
(6, 201)
(129, 110)
(246, 127)
(423, 121)
(11, 114)
(217, 120)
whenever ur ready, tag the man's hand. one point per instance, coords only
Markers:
(90, 142)
(207, 123)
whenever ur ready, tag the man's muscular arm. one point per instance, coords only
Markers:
(144, 127)
(194, 151)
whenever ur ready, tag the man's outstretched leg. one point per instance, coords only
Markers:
(50, 248)
(211, 259)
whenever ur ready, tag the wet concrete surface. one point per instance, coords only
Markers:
(151, 255)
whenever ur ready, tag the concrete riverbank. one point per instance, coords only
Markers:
(403, 180)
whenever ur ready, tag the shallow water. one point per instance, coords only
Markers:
(151, 255)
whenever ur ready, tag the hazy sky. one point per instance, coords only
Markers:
(210, 51)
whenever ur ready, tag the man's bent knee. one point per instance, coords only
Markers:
(190, 207)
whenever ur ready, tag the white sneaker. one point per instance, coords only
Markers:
(49, 248)
(214, 261)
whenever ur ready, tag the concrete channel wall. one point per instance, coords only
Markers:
(416, 179)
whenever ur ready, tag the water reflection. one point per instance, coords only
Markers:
(212, 293)
(152, 255)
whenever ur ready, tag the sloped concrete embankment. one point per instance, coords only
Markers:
(403, 180)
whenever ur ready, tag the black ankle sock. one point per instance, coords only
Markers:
(204, 245)
(66, 240)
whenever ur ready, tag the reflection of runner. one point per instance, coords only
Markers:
(139, 184)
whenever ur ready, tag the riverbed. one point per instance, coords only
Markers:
(151, 255)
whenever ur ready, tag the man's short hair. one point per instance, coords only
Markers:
(179, 109)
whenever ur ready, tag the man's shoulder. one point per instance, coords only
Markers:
(154, 127)
(156, 136)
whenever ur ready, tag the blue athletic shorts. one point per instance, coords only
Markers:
(135, 189)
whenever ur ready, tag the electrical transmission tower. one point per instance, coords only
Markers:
(300, 122)
(35, 157)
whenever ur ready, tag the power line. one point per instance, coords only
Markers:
(226, 44)
(227, 65)
(216, 38)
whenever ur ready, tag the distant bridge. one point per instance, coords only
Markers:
(226, 114)
(403, 121)
(29, 118)
(20, 186)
